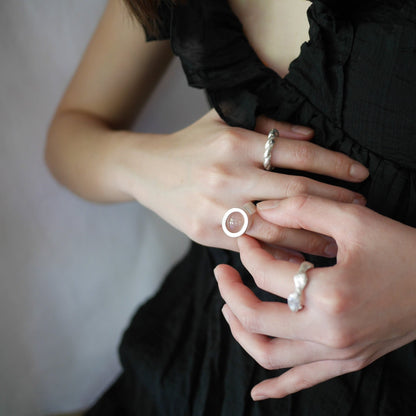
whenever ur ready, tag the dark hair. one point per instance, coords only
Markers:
(147, 13)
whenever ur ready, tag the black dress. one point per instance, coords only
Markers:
(354, 83)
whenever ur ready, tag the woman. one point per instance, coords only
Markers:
(178, 357)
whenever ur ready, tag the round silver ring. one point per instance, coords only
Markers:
(246, 212)
(300, 279)
(268, 147)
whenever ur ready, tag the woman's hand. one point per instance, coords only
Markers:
(191, 178)
(354, 312)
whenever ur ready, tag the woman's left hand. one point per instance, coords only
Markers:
(354, 312)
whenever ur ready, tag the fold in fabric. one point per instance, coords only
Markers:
(354, 83)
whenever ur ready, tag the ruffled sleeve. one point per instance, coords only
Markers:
(324, 88)
(216, 56)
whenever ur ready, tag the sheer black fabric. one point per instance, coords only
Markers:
(354, 83)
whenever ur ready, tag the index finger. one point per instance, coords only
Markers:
(269, 273)
(311, 213)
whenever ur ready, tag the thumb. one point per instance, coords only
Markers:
(307, 212)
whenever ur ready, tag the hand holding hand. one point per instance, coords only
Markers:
(192, 177)
(354, 312)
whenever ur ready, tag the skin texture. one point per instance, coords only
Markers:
(91, 151)
(274, 28)
(339, 330)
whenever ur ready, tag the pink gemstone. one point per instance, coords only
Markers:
(235, 222)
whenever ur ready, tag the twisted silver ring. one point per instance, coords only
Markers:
(294, 300)
(268, 147)
(236, 220)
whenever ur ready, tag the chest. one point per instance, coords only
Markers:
(275, 29)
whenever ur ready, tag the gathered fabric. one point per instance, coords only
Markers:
(353, 83)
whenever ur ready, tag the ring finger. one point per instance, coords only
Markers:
(268, 318)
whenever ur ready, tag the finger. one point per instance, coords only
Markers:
(293, 241)
(291, 131)
(299, 241)
(271, 275)
(269, 185)
(306, 156)
(299, 378)
(274, 353)
(281, 253)
(267, 318)
(311, 213)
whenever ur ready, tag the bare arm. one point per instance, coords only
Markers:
(188, 177)
(118, 72)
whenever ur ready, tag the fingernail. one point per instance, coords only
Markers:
(331, 249)
(267, 205)
(358, 171)
(306, 131)
(258, 396)
(215, 273)
(359, 200)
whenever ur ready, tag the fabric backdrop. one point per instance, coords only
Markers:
(71, 272)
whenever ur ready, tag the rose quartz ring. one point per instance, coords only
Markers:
(236, 221)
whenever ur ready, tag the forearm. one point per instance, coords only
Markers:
(87, 156)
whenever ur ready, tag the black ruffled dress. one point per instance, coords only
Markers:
(355, 84)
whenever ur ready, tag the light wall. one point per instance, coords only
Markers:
(71, 272)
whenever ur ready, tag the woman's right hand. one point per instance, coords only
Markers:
(192, 177)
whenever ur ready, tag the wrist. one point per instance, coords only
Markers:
(137, 163)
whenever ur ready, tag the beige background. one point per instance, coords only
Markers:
(71, 272)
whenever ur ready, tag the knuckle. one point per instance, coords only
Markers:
(301, 382)
(216, 178)
(298, 202)
(274, 234)
(354, 215)
(266, 359)
(355, 221)
(341, 165)
(278, 234)
(229, 141)
(339, 338)
(342, 195)
(336, 302)
(260, 277)
(297, 186)
(197, 231)
(197, 228)
(250, 320)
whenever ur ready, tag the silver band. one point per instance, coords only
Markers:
(241, 218)
(268, 147)
(300, 279)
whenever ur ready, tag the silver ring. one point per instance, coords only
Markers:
(268, 147)
(294, 300)
(236, 220)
